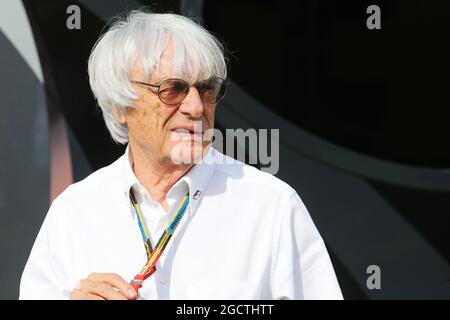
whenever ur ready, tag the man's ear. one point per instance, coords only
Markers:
(120, 115)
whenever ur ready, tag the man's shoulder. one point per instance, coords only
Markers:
(244, 174)
(94, 185)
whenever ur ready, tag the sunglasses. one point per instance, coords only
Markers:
(173, 91)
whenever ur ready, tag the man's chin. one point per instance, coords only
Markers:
(189, 153)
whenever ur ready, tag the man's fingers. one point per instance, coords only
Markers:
(109, 286)
(83, 295)
(101, 289)
(117, 282)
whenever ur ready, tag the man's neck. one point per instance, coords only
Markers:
(157, 177)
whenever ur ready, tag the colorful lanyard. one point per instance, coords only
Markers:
(154, 255)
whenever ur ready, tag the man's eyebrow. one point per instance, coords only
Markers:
(158, 81)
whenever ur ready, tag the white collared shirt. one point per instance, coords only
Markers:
(246, 235)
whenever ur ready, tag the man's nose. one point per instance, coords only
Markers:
(192, 104)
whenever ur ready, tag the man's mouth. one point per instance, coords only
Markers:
(184, 132)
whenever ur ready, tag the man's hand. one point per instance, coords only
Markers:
(103, 286)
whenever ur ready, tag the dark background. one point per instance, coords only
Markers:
(363, 118)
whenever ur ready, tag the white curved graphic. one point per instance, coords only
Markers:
(16, 27)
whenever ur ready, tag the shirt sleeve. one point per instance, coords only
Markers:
(301, 266)
(42, 277)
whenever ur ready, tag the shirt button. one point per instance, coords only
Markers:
(163, 280)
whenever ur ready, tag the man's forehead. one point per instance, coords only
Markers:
(166, 67)
(166, 63)
(165, 70)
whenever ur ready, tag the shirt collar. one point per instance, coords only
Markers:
(195, 180)
(128, 177)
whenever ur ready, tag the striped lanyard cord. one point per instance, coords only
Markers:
(154, 255)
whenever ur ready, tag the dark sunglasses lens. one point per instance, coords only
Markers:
(212, 90)
(173, 91)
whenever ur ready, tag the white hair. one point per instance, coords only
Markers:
(139, 40)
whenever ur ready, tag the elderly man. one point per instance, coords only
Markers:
(170, 219)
